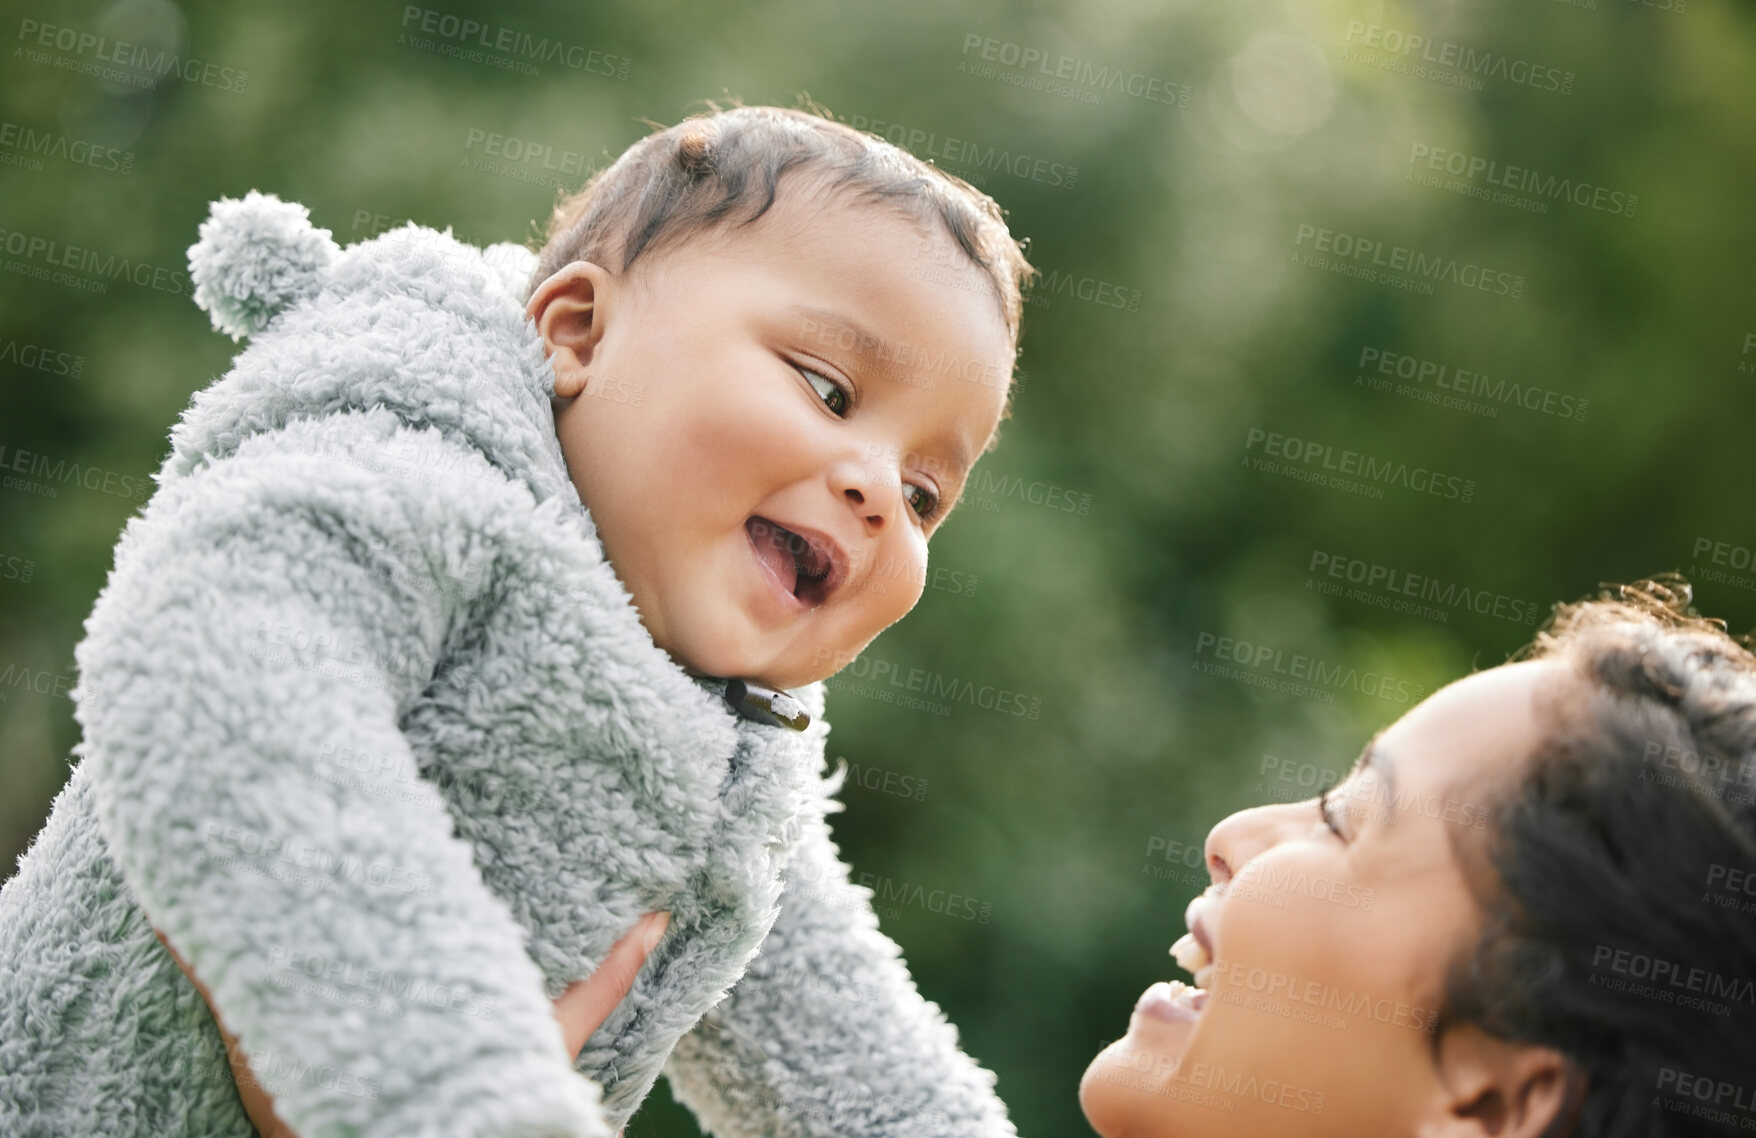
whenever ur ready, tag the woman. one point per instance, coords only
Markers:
(1530, 910)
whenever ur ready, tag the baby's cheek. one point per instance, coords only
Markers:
(879, 598)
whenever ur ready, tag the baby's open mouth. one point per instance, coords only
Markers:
(802, 565)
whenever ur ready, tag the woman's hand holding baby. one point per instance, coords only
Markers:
(588, 1003)
(580, 1009)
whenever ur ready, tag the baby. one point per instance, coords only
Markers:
(483, 606)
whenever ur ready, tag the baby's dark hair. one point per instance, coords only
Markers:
(722, 166)
(1613, 932)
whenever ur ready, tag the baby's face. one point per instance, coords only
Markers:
(768, 423)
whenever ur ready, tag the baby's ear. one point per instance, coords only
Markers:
(257, 256)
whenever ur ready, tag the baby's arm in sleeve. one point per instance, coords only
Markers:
(265, 612)
(826, 1033)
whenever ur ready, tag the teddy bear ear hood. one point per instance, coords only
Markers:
(410, 320)
(257, 255)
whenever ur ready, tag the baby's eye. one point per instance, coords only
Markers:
(923, 501)
(834, 396)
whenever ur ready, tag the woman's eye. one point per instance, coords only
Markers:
(834, 396)
(922, 501)
(1323, 808)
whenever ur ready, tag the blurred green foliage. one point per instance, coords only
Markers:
(1127, 522)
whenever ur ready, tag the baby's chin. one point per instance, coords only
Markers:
(786, 672)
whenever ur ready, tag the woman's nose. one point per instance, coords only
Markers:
(1240, 837)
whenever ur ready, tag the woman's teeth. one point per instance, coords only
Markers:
(1192, 958)
(1175, 1002)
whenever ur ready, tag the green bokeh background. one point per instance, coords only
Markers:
(1141, 413)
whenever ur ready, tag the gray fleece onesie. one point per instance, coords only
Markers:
(374, 733)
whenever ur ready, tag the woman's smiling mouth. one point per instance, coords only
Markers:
(1173, 1001)
(1194, 949)
(1176, 1001)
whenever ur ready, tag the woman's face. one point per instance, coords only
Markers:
(1329, 941)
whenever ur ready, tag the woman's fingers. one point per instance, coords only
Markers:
(257, 1102)
(581, 1009)
(587, 1003)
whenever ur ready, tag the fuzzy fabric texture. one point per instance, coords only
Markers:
(373, 731)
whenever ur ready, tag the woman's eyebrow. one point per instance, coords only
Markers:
(1375, 758)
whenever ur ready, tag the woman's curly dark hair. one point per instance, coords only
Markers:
(1618, 877)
